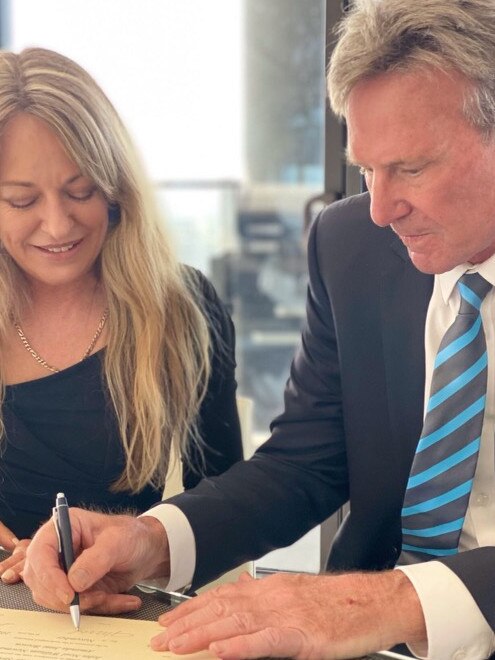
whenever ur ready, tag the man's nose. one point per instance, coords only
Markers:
(388, 203)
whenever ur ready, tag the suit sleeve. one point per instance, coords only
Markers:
(298, 477)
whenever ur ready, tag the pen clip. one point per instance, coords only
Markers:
(57, 528)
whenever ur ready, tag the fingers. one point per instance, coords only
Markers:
(42, 572)
(50, 590)
(8, 539)
(225, 612)
(128, 548)
(112, 554)
(93, 602)
(194, 633)
(266, 643)
(11, 568)
(198, 603)
(98, 560)
(100, 602)
(238, 620)
(241, 635)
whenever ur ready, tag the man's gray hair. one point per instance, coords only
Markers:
(377, 36)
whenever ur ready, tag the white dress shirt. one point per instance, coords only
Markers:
(459, 630)
(455, 626)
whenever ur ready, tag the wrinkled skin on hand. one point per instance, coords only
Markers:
(112, 554)
(297, 616)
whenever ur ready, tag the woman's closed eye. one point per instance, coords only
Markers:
(21, 202)
(82, 194)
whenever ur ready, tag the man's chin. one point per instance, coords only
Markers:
(429, 264)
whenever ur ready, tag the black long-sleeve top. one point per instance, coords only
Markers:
(61, 435)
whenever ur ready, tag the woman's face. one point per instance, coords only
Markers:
(53, 220)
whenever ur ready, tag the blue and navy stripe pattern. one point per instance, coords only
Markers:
(439, 486)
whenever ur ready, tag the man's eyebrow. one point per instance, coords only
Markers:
(392, 165)
(348, 157)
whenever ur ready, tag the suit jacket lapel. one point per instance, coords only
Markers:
(404, 299)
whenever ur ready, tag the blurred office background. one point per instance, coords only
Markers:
(226, 102)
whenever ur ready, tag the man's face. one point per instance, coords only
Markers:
(431, 175)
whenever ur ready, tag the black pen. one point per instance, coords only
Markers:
(64, 533)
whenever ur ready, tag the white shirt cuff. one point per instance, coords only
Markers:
(181, 544)
(455, 627)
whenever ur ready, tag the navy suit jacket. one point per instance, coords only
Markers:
(352, 419)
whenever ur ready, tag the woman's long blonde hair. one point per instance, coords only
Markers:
(156, 364)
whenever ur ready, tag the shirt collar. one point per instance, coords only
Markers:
(449, 279)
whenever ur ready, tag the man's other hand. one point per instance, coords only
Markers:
(297, 616)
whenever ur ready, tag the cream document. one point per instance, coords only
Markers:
(41, 635)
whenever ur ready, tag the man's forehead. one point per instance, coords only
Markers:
(405, 112)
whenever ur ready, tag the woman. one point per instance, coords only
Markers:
(110, 352)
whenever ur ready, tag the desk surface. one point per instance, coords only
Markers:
(18, 597)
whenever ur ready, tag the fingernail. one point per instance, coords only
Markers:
(158, 644)
(133, 603)
(63, 596)
(217, 649)
(8, 575)
(80, 579)
(15, 540)
(177, 642)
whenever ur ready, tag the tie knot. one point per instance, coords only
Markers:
(473, 289)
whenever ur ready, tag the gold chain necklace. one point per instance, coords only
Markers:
(43, 362)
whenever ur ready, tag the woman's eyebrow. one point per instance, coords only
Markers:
(29, 184)
(25, 184)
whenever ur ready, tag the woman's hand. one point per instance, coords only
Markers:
(12, 567)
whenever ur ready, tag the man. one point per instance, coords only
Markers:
(415, 82)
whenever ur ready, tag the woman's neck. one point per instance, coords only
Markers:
(78, 295)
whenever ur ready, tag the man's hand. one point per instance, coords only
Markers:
(297, 616)
(113, 553)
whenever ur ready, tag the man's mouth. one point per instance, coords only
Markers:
(414, 241)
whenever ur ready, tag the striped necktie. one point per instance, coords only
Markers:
(439, 486)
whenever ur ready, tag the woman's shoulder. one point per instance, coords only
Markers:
(214, 309)
(203, 291)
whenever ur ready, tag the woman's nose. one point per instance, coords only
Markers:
(56, 219)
